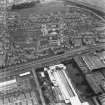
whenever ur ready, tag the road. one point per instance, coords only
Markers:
(47, 61)
(93, 8)
(99, 4)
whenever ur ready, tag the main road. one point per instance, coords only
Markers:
(49, 61)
